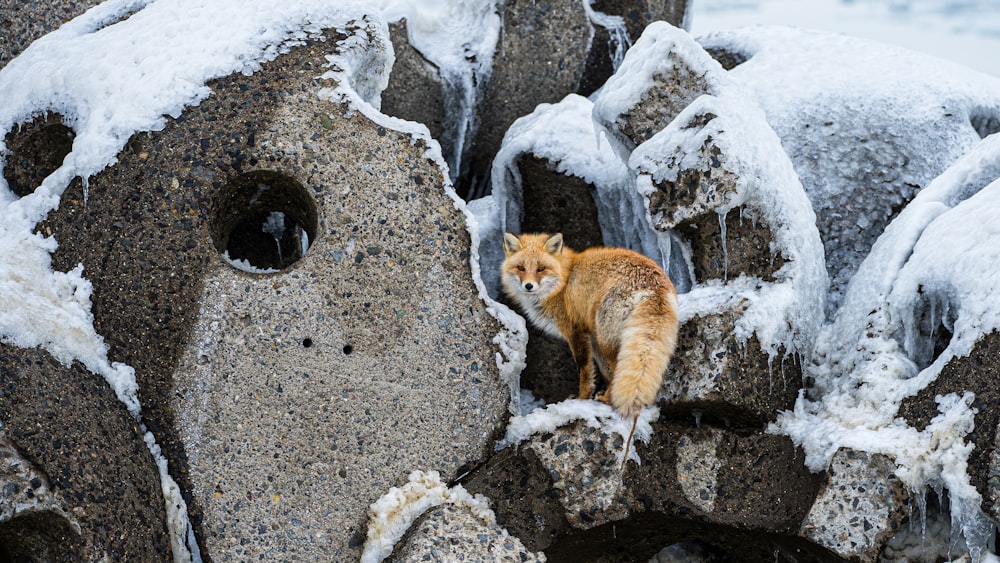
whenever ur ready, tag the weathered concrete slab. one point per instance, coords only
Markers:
(540, 57)
(288, 401)
(454, 533)
(415, 91)
(683, 72)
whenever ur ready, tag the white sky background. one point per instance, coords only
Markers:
(966, 31)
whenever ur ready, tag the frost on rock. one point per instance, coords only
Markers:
(663, 72)
(581, 445)
(594, 414)
(459, 37)
(924, 296)
(866, 125)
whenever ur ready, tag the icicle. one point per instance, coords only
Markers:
(697, 417)
(725, 250)
(784, 383)
(921, 499)
(770, 373)
(86, 191)
(274, 225)
(304, 239)
(618, 41)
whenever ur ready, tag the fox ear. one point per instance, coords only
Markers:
(554, 244)
(511, 244)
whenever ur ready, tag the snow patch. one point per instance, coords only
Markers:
(594, 414)
(391, 515)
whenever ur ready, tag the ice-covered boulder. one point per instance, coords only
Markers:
(545, 51)
(866, 125)
(729, 215)
(724, 205)
(906, 368)
(426, 519)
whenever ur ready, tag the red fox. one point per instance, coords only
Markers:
(616, 308)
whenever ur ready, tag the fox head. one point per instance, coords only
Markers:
(533, 267)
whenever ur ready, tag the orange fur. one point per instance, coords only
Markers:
(615, 307)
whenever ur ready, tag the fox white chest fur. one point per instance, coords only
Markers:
(530, 298)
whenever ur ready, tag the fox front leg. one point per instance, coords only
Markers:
(579, 344)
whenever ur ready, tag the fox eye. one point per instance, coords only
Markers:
(541, 269)
(520, 268)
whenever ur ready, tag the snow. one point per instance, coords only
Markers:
(782, 314)
(124, 65)
(933, 266)
(936, 257)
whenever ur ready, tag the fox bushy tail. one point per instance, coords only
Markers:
(647, 344)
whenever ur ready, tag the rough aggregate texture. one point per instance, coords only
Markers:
(81, 461)
(859, 507)
(451, 533)
(286, 403)
(23, 21)
(706, 482)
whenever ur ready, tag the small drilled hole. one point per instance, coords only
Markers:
(348, 349)
(307, 342)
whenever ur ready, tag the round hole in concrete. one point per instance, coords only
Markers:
(264, 221)
(36, 149)
(348, 349)
(307, 342)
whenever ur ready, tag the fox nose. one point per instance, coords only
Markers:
(528, 286)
